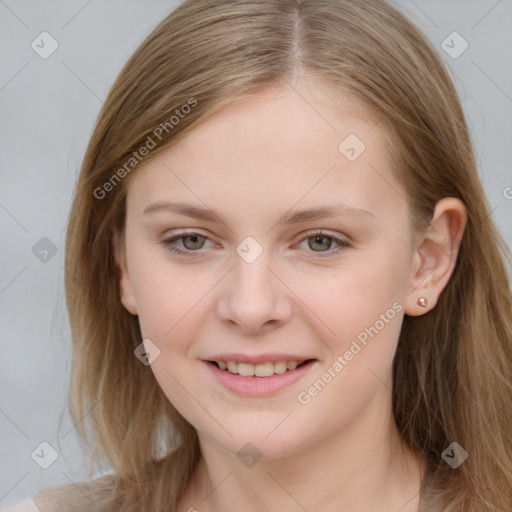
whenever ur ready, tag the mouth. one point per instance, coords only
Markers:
(260, 379)
(262, 370)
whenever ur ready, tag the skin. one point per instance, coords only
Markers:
(252, 162)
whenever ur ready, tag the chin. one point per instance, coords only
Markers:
(254, 443)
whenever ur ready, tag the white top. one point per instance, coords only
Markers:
(26, 505)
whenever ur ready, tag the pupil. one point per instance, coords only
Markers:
(326, 242)
(194, 242)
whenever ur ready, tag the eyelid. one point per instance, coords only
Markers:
(187, 232)
(183, 233)
(321, 232)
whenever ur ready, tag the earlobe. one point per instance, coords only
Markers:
(123, 281)
(435, 256)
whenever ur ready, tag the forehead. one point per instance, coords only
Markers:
(282, 143)
(300, 117)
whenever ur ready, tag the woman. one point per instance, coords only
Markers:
(284, 287)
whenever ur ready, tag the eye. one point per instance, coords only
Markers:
(191, 242)
(321, 242)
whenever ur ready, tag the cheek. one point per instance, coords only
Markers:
(172, 303)
(359, 365)
(358, 310)
(354, 296)
(167, 295)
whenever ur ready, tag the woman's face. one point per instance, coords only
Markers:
(262, 281)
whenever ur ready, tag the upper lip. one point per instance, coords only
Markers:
(258, 359)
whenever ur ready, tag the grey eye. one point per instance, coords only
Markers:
(320, 243)
(196, 241)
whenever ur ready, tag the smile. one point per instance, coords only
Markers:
(259, 370)
(260, 379)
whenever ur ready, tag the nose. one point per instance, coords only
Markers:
(254, 298)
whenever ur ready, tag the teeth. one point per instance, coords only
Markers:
(280, 367)
(245, 369)
(264, 370)
(258, 370)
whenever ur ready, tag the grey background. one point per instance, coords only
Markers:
(47, 110)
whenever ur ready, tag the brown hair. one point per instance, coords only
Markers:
(453, 365)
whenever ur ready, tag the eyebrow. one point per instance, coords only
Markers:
(290, 217)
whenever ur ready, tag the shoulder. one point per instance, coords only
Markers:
(26, 505)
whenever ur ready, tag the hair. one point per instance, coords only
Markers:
(453, 365)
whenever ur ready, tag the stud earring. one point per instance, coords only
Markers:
(423, 302)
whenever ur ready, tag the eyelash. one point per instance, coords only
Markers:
(343, 244)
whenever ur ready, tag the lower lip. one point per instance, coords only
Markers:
(258, 386)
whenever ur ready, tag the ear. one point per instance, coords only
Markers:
(435, 255)
(124, 282)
